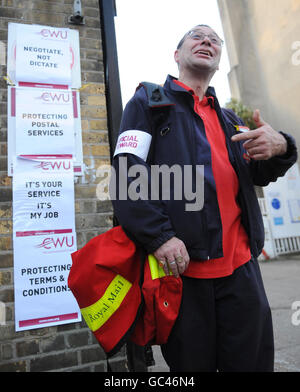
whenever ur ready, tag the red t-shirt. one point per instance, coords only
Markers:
(236, 248)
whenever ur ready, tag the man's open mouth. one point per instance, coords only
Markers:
(205, 52)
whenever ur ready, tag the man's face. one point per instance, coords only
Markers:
(198, 52)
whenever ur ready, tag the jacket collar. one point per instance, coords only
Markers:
(169, 85)
(175, 88)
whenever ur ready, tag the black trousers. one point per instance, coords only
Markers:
(224, 325)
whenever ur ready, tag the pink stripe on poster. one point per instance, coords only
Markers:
(44, 85)
(45, 320)
(75, 111)
(60, 156)
(13, 102)
(42, 232)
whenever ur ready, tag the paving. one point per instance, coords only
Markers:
(282, 284)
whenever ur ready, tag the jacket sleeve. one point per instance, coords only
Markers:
(144, 220)
(264, 172)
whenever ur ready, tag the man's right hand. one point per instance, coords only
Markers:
(173, 256)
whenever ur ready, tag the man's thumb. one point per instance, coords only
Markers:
(258, 119)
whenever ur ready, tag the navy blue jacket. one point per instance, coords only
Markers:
(183, 142)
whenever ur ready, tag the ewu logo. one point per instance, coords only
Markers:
(55, 165)
(50, 33)
(55, 97)
(57, 243)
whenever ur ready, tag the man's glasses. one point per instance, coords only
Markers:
(199, 36)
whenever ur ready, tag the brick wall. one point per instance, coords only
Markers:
(69, 347)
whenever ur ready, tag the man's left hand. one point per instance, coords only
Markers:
(264, 142)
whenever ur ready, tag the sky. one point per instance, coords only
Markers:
(148, 32)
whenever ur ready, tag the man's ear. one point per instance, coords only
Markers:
(176, 56)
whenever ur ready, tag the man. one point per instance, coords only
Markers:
(224, 322)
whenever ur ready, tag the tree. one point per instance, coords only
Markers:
(241, 110)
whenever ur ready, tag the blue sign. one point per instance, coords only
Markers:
(276, 204)
(278, 221)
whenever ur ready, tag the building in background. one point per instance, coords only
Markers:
(263, 42)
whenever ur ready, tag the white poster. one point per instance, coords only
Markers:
(43, 55)
(44, 122)
(42, 261)
(48, 121)
(44, 238)
(43, 193)
(283, 204)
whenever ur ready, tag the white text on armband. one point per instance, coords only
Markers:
(134, 142)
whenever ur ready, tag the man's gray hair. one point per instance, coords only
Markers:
(185, 35)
